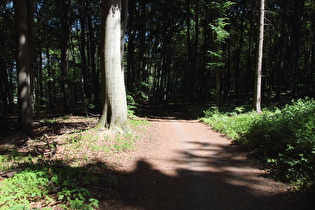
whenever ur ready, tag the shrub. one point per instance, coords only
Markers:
(233, 124)
(283, 138)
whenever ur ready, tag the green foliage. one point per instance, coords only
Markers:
(123, 142)
(218, 27)
(233, 127)
(216, 56)
(283, 138)
(39, 182)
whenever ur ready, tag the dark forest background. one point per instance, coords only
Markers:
(173, 51)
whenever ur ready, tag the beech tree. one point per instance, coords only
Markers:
(114, 103)
(24, 16)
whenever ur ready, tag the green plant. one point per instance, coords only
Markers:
(212, 111)
(38, 182)
(283, 138)
(74, 139)
(124, 142)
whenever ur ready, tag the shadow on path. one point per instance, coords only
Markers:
(148, 188)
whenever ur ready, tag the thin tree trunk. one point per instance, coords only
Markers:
(194, 63)
(296, 30)
(50, 81)
(3, 87)
(65, 28)
(217, 86)
(188, 88)
(83, 47)
(95, 75)
(258, 76)
(283, 35)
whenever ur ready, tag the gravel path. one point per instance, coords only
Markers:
(183, 164)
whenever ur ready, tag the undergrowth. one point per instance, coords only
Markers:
(63, 180)
(284, 138)
(47, 184)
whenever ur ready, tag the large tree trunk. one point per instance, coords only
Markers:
(258, 76)
(114, 112)
(24, 66)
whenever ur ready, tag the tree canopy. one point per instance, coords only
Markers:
(174, 50)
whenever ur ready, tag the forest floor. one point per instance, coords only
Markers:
(177, 163)
(183, 164)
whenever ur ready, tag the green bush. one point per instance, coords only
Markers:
(283, 138)
(234, 124)
(286, 140)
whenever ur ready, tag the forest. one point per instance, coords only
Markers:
(186, 53)
(172, 51)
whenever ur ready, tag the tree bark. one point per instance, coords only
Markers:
(24, 66)
(114, 111)
(258, 76)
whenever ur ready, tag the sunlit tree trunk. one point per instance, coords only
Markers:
(24, 63)
(258, 75)
(114, 111)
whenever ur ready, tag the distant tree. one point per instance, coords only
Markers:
(258, 75)
(114, 110)
(220, 35)
(23, 14)
(65, 39)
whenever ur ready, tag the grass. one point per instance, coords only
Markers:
(53, 169)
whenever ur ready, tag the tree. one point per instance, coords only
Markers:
(258, 75)
(114, 110)
(65, 29)
(220, 35)
(23, 11)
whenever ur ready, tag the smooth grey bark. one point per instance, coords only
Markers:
(24, 60)
(258, 75)
(114, 110)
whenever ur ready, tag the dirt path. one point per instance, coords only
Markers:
(183, 164)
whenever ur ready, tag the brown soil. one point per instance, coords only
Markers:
(178, 163)
(183, 164)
